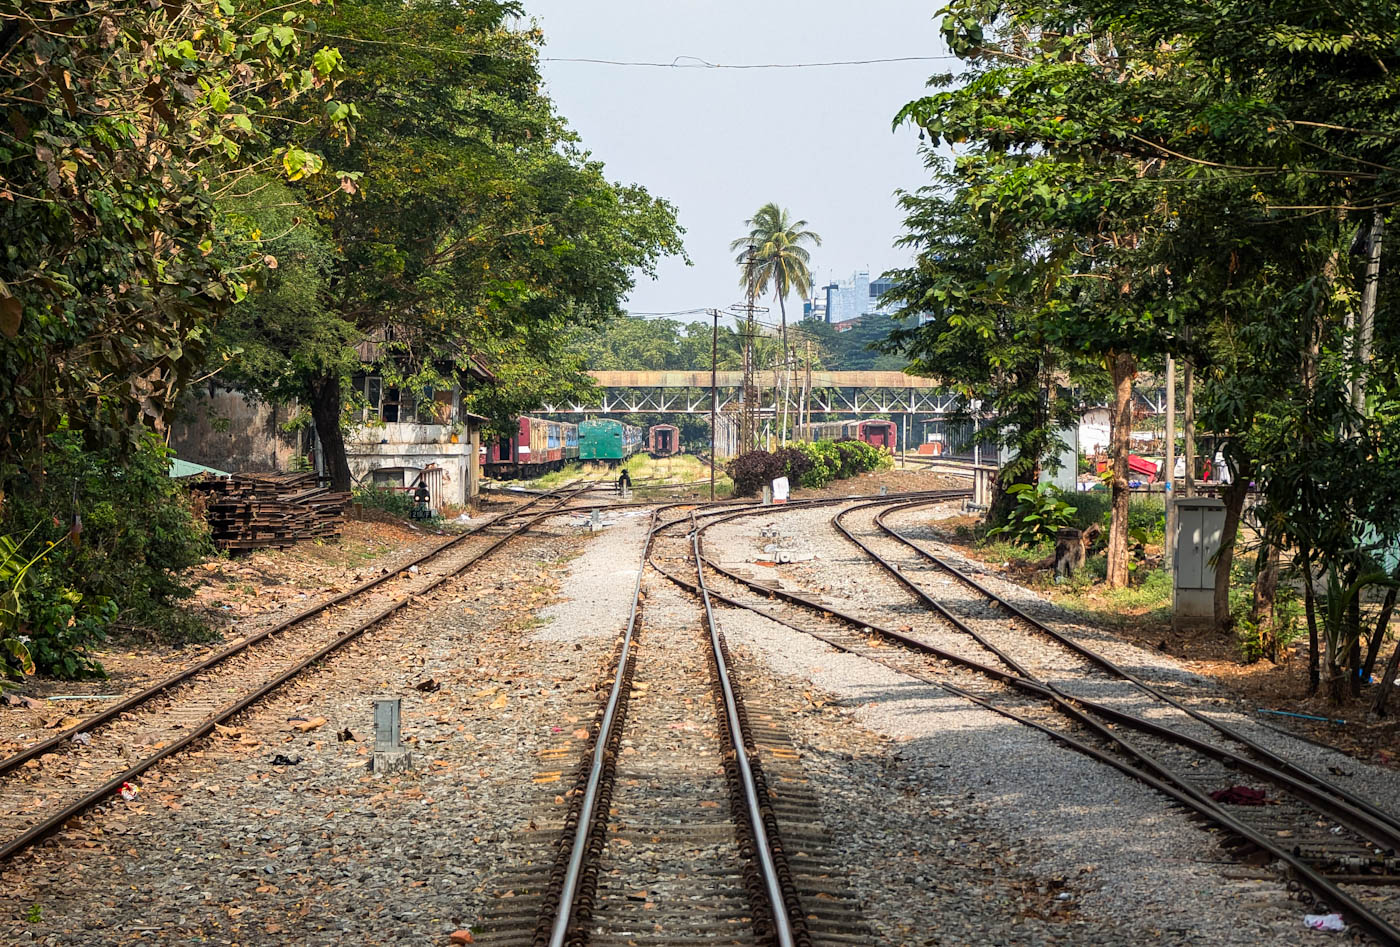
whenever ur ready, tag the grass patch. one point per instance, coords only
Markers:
(647, 473)
(1147, 597)
(1002, 551)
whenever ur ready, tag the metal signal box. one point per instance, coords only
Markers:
(1199, 523)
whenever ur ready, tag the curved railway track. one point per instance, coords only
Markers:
(1340, 849)
(50, 782)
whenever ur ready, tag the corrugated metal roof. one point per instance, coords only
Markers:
(184, 468)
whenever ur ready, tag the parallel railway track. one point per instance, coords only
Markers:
(653, 806)
(50, 782)
(1337, 849)
(655, 810)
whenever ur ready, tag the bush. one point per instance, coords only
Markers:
(811, 465)
(119, 533)
(860, 457)
(797, 464)
(1039, 513)
(752, 471)
(825, 464)
(394, 502)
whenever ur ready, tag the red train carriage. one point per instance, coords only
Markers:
(881, 434)
(663, 440)
(876, 433)
(537, 447)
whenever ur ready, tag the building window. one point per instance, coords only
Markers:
(374, 396)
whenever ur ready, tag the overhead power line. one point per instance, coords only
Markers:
(680, 62)
(695, 62)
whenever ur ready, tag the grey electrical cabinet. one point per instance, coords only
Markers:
(1199, 523)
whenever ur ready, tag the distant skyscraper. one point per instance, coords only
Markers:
(849, 299)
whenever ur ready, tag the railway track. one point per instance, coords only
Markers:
(1337, 849)
(674, 833)
(52, 781)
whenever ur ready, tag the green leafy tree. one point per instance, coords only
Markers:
(478, 228)
(773, 256)
(125, 124)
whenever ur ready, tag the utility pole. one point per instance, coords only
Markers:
(807, 386)
(714, 398)
(1366, 322)
(748, 428)
(1171, 461)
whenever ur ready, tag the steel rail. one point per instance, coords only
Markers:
(52, 823)
(1171, 789)
(1157, 775)
(778, 903)
(563, 912)
(558, 914)
(105, 716)
(1274, 759)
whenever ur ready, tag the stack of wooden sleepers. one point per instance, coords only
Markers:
(257, 511)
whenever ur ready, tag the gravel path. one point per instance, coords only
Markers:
(270, 835)
(1377, 784)
(1134, 867)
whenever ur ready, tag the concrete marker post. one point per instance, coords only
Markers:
(390, 755)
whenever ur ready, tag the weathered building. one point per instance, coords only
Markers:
(221, 428)
(400, 440)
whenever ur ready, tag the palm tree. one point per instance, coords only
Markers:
(772, 255)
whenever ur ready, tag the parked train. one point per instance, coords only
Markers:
(537, 447)
(608, 441)
(664, 440)
(882, 434)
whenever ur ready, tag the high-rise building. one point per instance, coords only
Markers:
(844, 300)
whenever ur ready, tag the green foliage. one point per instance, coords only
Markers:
(120, 534)
(825, 463)
(1257, 643)
(15, 659)
(1090, 507)
(479, 230)
(1039, 512)
(123, 126)
(395, 502)
(811, 465)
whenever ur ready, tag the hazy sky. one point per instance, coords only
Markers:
(720, 143)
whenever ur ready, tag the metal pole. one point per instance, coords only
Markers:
(1189, 441)
(1170, 478)
(714, 397)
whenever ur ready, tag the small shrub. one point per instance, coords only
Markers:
(826, 464)
(394, 502)
(120, 534)
(752, 471)
(1090, 507)
(1039, 513)
(797, 463)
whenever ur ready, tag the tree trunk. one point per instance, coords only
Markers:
(1233, 495)
(326, 410)
(1261, 610)
(1378, 636)
(1387, 682)
(1124, 368)
(1310, 610)
(782, 308)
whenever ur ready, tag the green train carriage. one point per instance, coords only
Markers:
(603, 440)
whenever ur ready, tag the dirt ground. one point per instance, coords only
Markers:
(239, 595)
